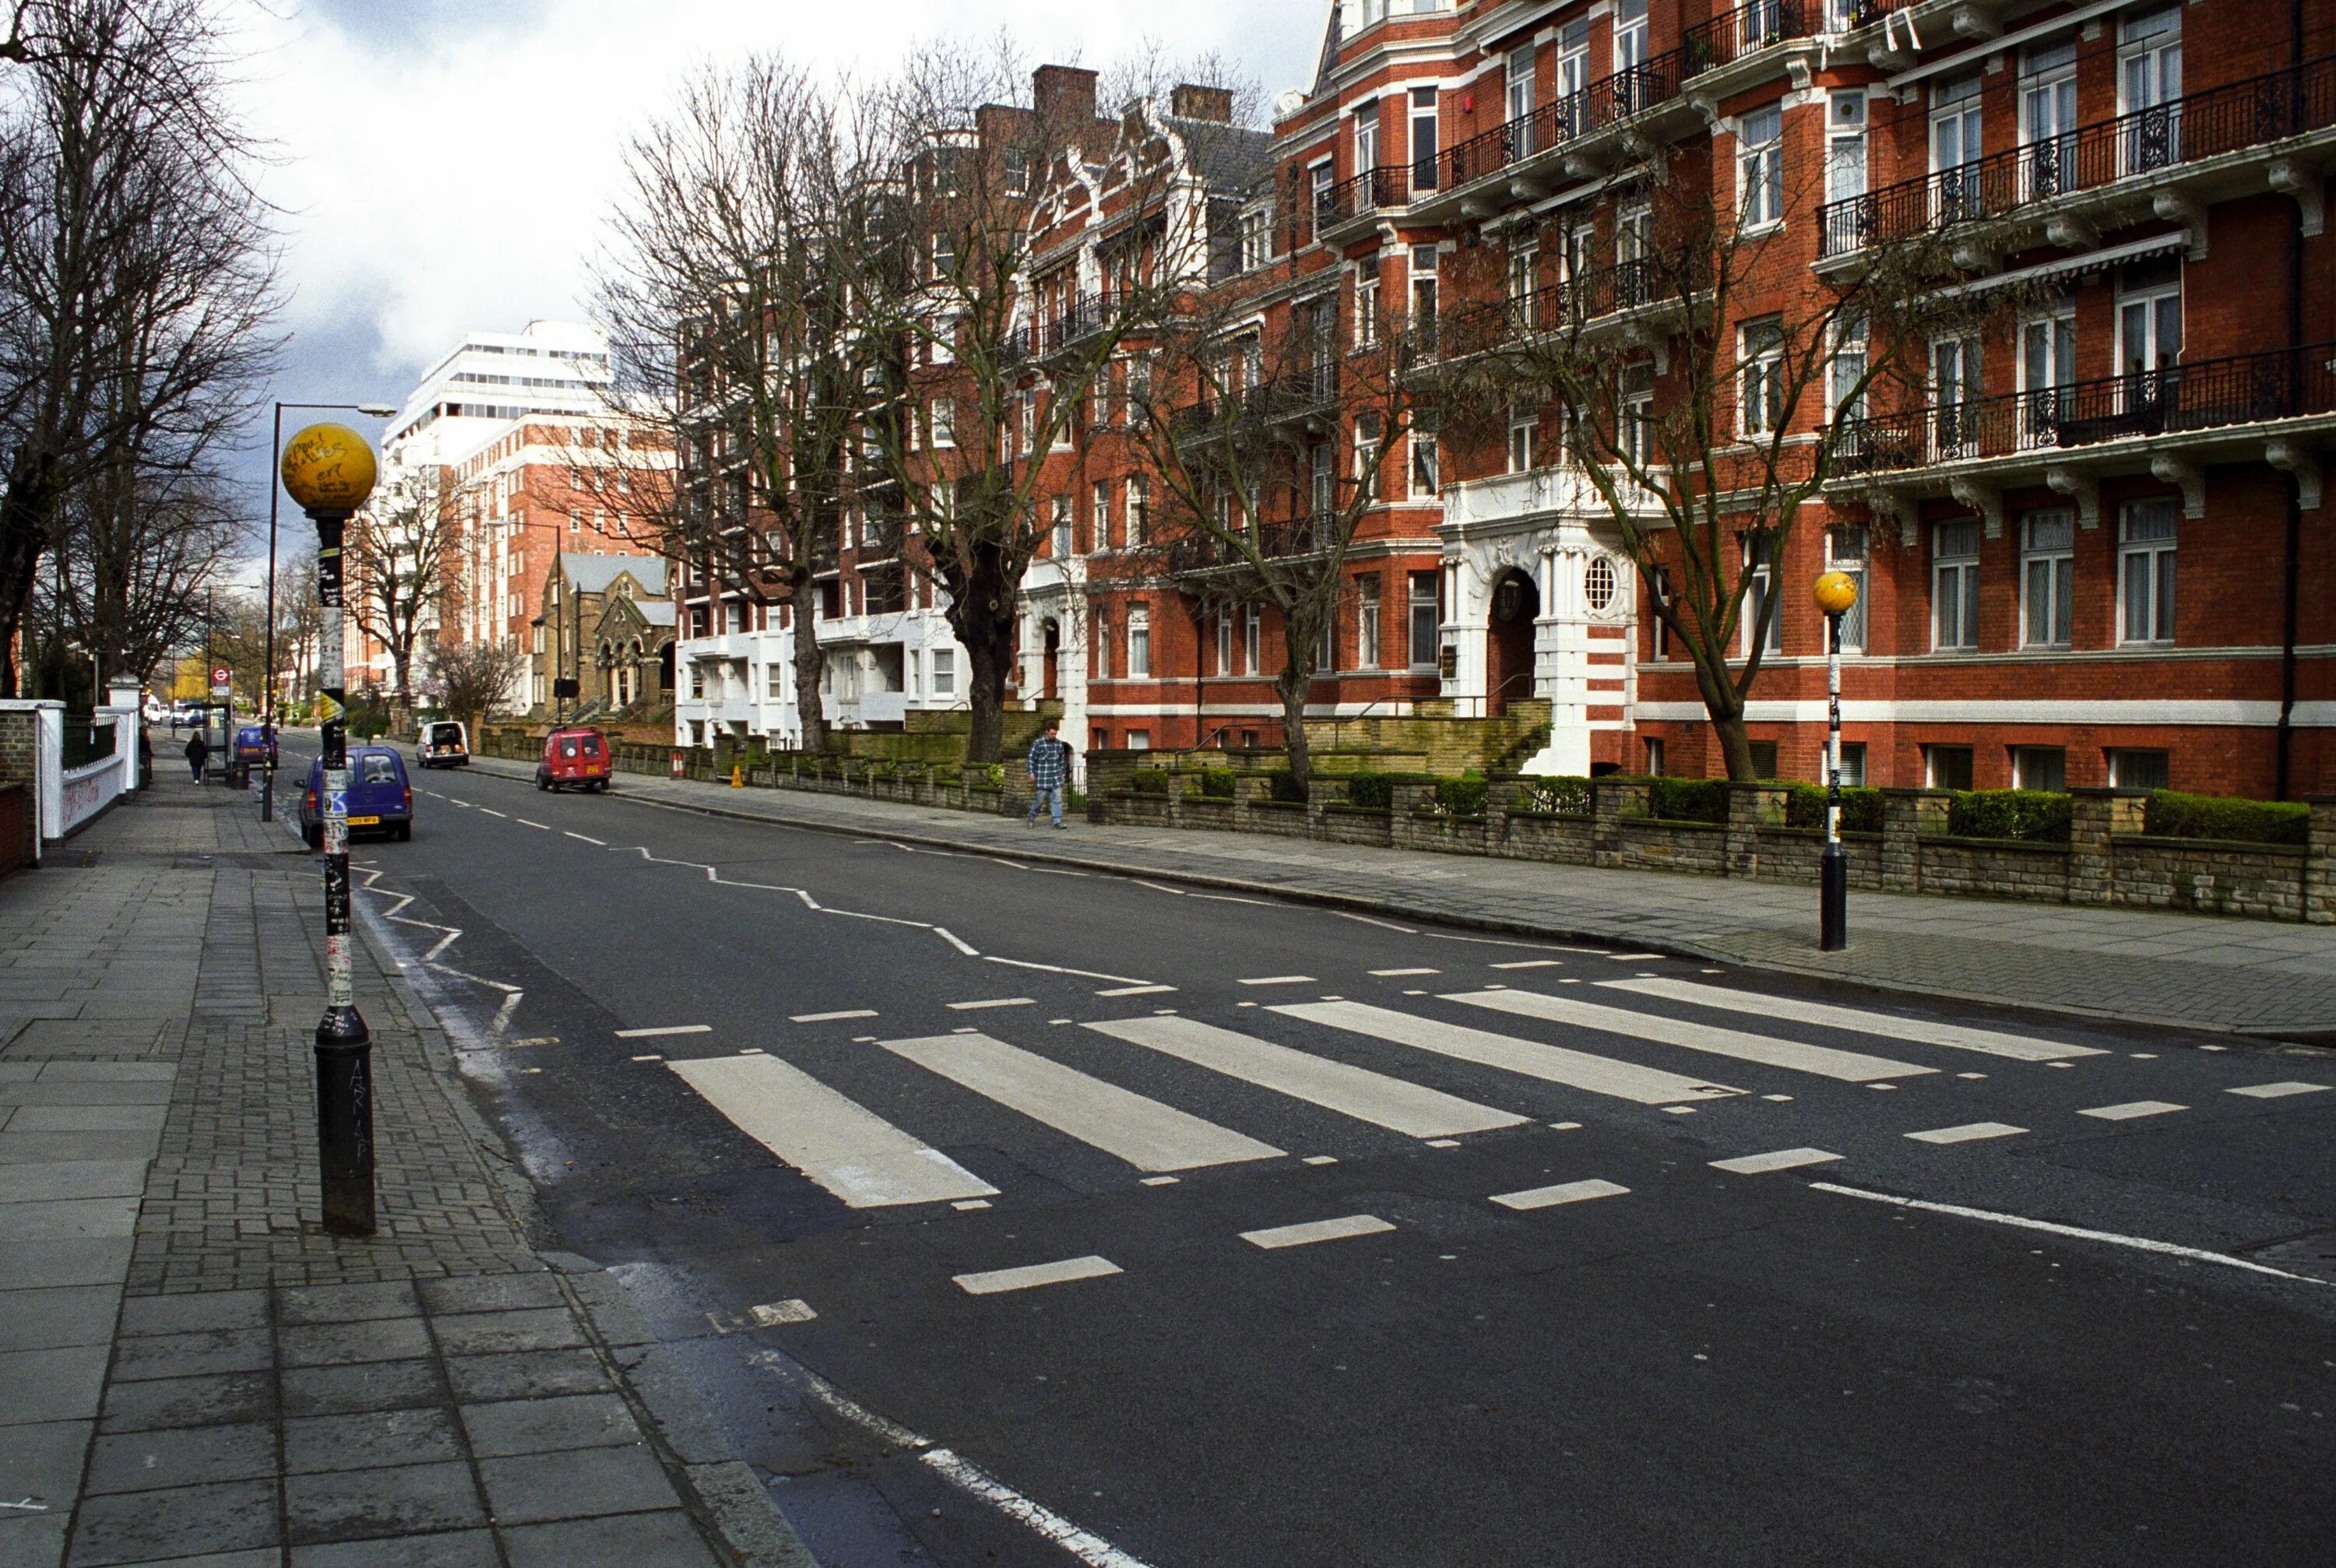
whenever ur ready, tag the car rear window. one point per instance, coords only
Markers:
(567, 748)
(591, 746)
(377, 769)
(446, 733)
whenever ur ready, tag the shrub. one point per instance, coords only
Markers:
(1370, 792)
(1687, 800)
(1861, 809)
(2033, 816)
(1461, 797)
(2183, 816)
(1216, 783)
(1554, 793)
(1281, 785)
(1148, 780)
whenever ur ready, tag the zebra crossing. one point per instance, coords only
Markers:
(870, 1162)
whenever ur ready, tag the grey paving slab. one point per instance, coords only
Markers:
(527, 1329)
(187, 1402)
(494, 1293)
(42, 1464)
(37, 1320)
(340, 1344)
(64, 1219)
(181, 1457)
(540, 1425)
(55, 1385)
(32, 1540)
(666, 1538)
(372, 1386)
(194, 1354)
(572, 1484)
(108, 1072)
(72, 1178)
(453, 1549)
(49, 1148)
(360, 1505)
(369, 1439)
(65, 1092)
(347, 1303)
(188, 1521)
(143, 1315)
(524, 1374)
(88, 1119)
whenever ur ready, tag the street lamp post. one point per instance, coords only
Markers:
(268, 713)
(329, 470)
(1836, 592)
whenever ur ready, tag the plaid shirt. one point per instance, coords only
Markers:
(1049, 761)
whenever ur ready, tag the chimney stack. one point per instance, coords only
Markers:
(1190, 101)
(1063, 96)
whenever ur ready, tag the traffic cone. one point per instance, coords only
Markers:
(738, 776)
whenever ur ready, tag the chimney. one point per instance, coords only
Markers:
(1190, 101)
(1063, 96)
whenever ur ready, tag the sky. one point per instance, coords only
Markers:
(446, 165)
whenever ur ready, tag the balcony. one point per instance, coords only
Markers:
(1594, 308)
(2081, 177)
(1362, 199)
(1536, 494)
(1063, 330)
(2155, 413)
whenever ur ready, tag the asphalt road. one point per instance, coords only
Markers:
(889, 1096)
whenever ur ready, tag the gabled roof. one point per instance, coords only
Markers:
(594, 573)
(1228, 158)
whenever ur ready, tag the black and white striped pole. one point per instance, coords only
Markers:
(1836, 592)
(329, 470)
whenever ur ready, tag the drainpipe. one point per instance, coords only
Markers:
(2291, 564)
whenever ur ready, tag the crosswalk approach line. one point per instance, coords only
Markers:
(1850, 1067)
(1146, 1134)
(1920, 1031)
(1552, 1064)
(852, 1152)
(1404, 1107)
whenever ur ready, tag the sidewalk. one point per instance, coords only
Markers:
(190, 1369)
(2186, 970)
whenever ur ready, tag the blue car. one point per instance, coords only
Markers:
(380, 799)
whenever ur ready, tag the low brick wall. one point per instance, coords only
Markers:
(2210, 877)
(1661, 846)
(1996, 868)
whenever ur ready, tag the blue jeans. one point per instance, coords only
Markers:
(1047, 794)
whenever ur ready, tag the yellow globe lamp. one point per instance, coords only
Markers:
(1835, 592)
(328, 467)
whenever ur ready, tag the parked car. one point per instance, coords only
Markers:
(254, 749)
(574, 758)
(444, 743)
(380, 801)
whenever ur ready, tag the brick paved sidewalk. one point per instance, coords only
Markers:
(190, 1369)
(2186, 970)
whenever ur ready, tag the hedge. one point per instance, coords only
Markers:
(1216, 783)
(2034, 817)
(1461, 797)
(1148, 780)
(1371, 792)
(1554, 793)
(2183, 816)
(1861, 809)
(1280, 785)
(1687, 800)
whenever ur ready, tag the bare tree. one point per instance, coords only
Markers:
(399, 559)
(299, 624)
(137, 268)
(729, 293)
(140, 551)
(469, 680)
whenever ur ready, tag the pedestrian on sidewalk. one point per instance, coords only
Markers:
(145, 757)
(1049, 770)
(199, 753)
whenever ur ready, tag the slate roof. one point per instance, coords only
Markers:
(594, 573)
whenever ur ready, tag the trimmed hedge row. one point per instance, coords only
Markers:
(2030, 816)
(1566, 792)
(2169, 814)
(1861, 809)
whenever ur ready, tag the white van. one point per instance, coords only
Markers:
(444, 743)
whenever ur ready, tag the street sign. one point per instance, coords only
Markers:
(222, 680)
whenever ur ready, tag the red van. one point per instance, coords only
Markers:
(574, 758)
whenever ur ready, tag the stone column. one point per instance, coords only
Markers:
(2319, 863)
(2093, 816)
(1751, 807)
(1410, 796)
(1610, 800)
(1500, 797)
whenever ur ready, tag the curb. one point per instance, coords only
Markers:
(1670, 947)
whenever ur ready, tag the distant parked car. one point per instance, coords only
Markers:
(380, 801)
(574, 758)
(253, 749)
(444, 743)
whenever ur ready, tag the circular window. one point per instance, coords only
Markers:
(1598, 584)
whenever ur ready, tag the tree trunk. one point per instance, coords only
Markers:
(1293, 685)
(811, 710)
(1726, 706)
(982, 616)
(23, 528)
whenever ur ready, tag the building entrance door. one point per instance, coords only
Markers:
(1054, 680)
(1509, 641)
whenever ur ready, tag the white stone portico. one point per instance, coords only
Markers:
(1540, 600)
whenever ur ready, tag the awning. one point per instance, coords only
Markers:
(2090, 262)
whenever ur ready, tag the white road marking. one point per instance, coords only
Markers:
(1443, 1143)
(1146, 1134)
(1320, 1160)
(1532, 964)
(832, 1018)
(2133, 1108)
(587, 838)
(1861, 1020)
(463, 804)
(1158, 1180)
(992, 1002)
(522, 822)
(1563, 1192)
(2279, 1091)
(852, 1152)
(2139, 1243)
(1778, 1099)
(1967, 1133)
(1279, 980)
(493, 813)
(1367, 920)
(1059, 970)
(1565, 1127)
(1392, 1103)
(648, 1058)
(1392, 974)
(1033, 1274)
(1637, 958)
(953, 939)
(668, 1030)
(1316, 1230)
(1552, 1064)
(1135, 991)
(1851, 1067)
(964, 1205)
(1780, 1160)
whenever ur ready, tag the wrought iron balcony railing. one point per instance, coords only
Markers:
(1745, 30)
(1607, 102)
(2202, 126)
(2207, 395)
(1632, 284)
(1362, 195)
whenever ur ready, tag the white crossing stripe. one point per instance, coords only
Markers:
(1022, 1278)
(1135, 991)
(668, 1030)
(1280, 980)
(525, 824)
(1357, 1092)
(2279, 1091)
(1552, 1064)
(1563, 1192)
(832, 1018)
(1391, 974)
(1532, 964)
(1921, 1031)
(992, 1002)
(852, 1152)
(1316, 1230)
(1145, 1132)
(1781, 1160)
(2133, 1108)
(1851, 1067)
(1967, 1132)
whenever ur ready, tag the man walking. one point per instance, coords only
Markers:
(1049, 770)
(199, 753)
